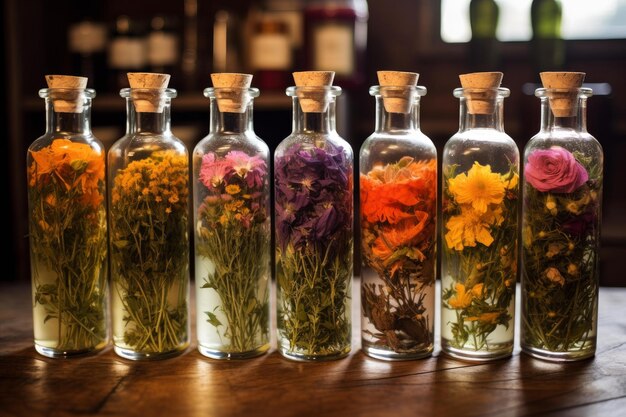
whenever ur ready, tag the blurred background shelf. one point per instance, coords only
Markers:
(217, 36)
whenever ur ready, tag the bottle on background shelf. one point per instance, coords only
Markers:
(274, 31)
(270, 54)
(231, 194)
(335, 38)
(87, 41)
(483, 46)
(163, 43)
(148, 177)
(398, 209)
(561, 219)
(313, 185)
(127, 51)
(290, 12)
(548, 46)
(227, 42)
(68, 225)
(480, 198)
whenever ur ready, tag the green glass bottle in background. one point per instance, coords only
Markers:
(547, 46)
(483, 47)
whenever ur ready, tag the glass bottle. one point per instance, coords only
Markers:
(335, 38)
(162, 44)
(313, 179)
(127, 50)
(479, 225)
(561, 226)
(270, 53)
(483, 46)
(232, 234)
(148, 215)
(67, 223)
(398, 208)
(548, 46)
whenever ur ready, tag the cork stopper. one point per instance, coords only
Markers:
(148, 101)
(235, 98)
(483, 91)
(70, 101)
(563, 103)
(313, 100)
(399, 100)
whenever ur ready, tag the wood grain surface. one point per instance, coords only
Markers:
(192, 385)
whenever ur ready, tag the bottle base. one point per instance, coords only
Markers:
(222, 355)
(497, 352)
(56, 353)
(303, 357)
(387, 354)
(142, 356)
(551, 356)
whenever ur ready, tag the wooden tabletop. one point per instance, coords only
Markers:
(192, 385)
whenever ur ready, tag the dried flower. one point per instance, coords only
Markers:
(68, 243)
(398, 214)
(551, 205)
(479, 187)
(554, 249)
(233, 237)
(313, 200)
(560, 209)
(572, 269)
(554, 276)
(149, 250)
(480, 250)
(555, 170)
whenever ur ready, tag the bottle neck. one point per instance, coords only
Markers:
(490, 120)
(397, 122)
(63, 122)
(230, 122)
(147, 122)
(577, 121)
(304, 122)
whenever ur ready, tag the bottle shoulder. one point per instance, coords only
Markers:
(390, 149)
(81, 138)
(414, 140)
(155, 141)
(572, 140)
(224, 143)
(311, 140)
(497, 150)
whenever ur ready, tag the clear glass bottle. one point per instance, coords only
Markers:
(480, 191)
(313, 179)
(67, 223)
(231, 173)
(398, 209)
(149, 243)
(561, 217)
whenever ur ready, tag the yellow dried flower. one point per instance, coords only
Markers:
(553, 250)
(551, 205)
(233, 189)
(479, 188)
(554, 276)
(572, 269)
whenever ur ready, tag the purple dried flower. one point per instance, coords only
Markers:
(313, 195)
